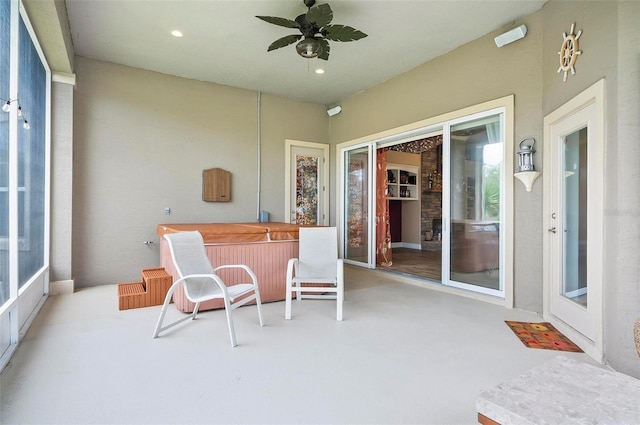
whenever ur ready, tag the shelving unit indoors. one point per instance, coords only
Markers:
(402, 182)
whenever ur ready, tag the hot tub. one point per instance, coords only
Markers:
(265, 247)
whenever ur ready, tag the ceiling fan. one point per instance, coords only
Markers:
(316, 28)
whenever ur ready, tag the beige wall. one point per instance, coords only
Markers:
(410, 209)
(611, 50)
(403, 158)
(472, 74)
(141, 142)
(622, 216)
(60, 259)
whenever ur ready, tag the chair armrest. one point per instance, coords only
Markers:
(246, 268)
(292, 265)
(215, 278)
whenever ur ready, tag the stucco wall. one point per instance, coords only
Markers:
(610, 42)
(61, 182)
(622, 265)
(141, 141)
(472, 74)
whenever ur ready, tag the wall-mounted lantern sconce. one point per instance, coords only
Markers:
(526, 170)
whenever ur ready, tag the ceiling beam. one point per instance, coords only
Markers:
(51, 25)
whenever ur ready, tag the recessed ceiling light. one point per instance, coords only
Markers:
(319, 71)
(176, 33)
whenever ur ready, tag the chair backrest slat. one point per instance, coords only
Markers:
(188, 253)
(318, 251)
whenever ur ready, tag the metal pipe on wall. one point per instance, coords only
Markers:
(259, 147)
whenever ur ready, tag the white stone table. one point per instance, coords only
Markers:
(563, 391)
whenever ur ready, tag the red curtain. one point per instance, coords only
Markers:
(383, 229)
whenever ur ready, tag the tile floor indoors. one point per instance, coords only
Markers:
(404, 354)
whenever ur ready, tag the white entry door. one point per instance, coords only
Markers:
(307, 183)
(574, 158)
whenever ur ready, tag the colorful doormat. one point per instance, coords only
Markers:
(542, 335)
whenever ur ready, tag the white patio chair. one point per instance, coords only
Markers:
(201, 283)
(317, 263)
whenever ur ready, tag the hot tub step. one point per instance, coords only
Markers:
(151, 291)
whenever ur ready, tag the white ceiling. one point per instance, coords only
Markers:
(224, 43)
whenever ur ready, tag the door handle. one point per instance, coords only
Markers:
(552, 230)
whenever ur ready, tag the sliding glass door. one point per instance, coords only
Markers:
(358, 175)
(474, 203)
(472, 210)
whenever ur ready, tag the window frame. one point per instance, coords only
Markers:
(26, 299)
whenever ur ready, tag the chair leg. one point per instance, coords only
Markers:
(287, 305)
(232, 332)
(339, 300)
(340, 288)
(165, 305)
(196, 308)
(259, 306)
(163, 312)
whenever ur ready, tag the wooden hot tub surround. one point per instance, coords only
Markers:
(264, 247)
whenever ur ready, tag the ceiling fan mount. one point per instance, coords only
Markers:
(316, 30)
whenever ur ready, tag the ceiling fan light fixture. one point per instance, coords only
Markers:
(316, 28)
(309, 48)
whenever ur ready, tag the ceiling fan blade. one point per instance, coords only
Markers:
(284, 41)
(305, 26)
(325, 49)
(320, 15)
(342, 33)
(283, 22)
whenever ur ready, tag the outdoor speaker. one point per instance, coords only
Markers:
(511, 36)
(334, 111)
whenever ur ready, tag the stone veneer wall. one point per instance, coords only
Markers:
(431, 202)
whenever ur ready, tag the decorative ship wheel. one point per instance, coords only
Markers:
(569, 52)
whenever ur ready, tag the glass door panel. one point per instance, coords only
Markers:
(307, 182)
(475, 204)
(357, 240)
(574, 235)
